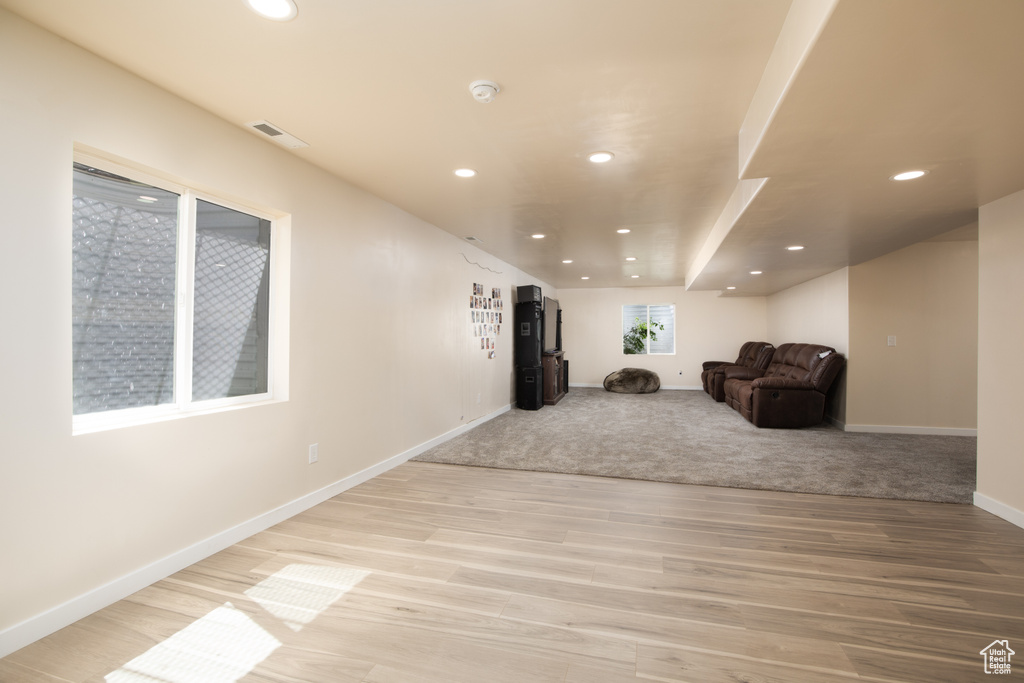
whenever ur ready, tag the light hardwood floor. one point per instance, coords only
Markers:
(457, 574)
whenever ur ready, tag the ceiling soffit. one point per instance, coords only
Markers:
(888, 87)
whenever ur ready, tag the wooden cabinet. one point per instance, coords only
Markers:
(554, 377)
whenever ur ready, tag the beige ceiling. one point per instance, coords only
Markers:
(379, 90)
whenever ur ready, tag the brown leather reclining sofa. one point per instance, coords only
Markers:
(790, 392)
(753, 354)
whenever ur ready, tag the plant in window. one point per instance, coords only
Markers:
(634, 341)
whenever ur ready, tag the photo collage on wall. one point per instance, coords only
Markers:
(485, 317)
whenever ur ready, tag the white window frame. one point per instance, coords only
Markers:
(647, 342)
(277, 342)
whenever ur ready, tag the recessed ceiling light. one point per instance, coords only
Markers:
(795, 247)
(538, 236)
(634, 276)
(568, 260)
(601, 157)
(908, 175)
(755, 272)
(631, 258)
(278, 10)
(465, 172)
(622, 231)
(585, 277)
(730, 288)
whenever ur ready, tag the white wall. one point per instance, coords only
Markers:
(1000, 372)
(816, 312)
(381, 354)
(926, 296)
(708, 327)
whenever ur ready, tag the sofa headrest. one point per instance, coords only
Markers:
(813, 363)
(755, 354)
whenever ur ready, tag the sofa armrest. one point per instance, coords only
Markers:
(777, 383)
(709, 364)
(742, 372)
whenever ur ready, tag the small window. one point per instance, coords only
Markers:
(649, 329)
(232, 301)
(171, 300)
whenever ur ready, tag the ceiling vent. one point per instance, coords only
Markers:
(269, 130)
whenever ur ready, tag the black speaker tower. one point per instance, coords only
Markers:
(529, 334)
(530, 388)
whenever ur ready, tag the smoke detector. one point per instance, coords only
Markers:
(484, 91)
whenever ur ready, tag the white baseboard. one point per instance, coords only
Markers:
(663, 386)
(438, 440)
(18, 636)
(1010, 514)
(894, 429)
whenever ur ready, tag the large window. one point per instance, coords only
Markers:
(171, 299)
(649, 329)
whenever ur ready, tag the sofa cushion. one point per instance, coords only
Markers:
(799, 361)
(781, 383)
(755, 355)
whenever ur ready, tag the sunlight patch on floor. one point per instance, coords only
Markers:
(221, 647)
(298, 593)
(226, 644)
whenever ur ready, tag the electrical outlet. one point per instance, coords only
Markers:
(891, 340)
(314, 453)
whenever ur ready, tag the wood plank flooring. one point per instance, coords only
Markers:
(439, 573)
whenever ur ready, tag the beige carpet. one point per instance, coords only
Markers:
(685, 437)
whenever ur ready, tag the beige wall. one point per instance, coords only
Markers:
(1000, 340)
(925, 295)
(816, 312)
(708, 327)
(381, 354)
